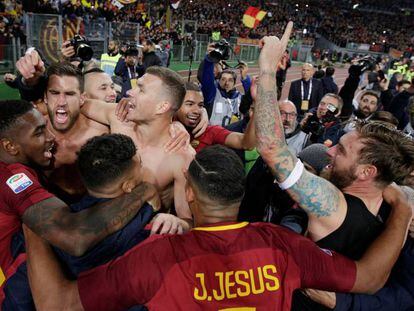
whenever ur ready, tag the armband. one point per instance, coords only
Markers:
(293, 176)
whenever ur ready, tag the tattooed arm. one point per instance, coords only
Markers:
(75, 233)
(323, 202)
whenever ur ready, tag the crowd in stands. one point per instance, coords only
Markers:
(126, 188)
(341, 23)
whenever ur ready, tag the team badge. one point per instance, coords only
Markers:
(194, 143)
(19, 182)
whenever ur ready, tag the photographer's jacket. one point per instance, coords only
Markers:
(220, 104)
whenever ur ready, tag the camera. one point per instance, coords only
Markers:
(316, 126)
(221, 51)
(82, 48)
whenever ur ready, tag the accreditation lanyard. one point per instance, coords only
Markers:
(302, 90)
(132, 75)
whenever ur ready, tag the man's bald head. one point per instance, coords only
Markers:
(289, 116)
(99, 85)
(307, 71)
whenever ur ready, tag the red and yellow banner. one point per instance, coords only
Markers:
(253, 16)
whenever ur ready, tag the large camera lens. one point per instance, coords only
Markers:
(221, 51)
(84, 51)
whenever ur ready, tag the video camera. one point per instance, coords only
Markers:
(221, 51)
(82, 47)
(316, 126)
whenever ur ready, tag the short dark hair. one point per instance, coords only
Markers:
(104, 159)
(218, 173)
(66, 69)
(148, 41)
(11, 111)
(192, 86)
(329, 71)
(402, 82)
(229, 71)
(93, 70)
(174, 84)
(371, 93)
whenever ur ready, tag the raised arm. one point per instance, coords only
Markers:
(323, 202)
(246, 141)
(99, 110)
(75, 233)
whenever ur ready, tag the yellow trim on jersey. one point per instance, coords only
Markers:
(223, 228)
(2, 277)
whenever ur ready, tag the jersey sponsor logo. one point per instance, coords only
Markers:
(236, 284)
(19, 182)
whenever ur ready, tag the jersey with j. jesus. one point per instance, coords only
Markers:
(216, 267)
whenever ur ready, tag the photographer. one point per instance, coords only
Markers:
(128, 69)
(222, 99)
(322, 123)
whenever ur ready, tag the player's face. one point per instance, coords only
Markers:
(145, 98)
(227, 82)
(368, 105)
(344, 160)
(191, 110)
(64, 100)
(35, 141)
(100, 86)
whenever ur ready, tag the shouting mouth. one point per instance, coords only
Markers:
(49, 152)
(61, 116)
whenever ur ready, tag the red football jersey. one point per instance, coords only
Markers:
(255, 266)
(214, 135)
(19, 189)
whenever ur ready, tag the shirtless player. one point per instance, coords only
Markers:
(158, 96)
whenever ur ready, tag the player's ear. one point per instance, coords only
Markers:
(163, 107)
(127, 186)
(9, 146)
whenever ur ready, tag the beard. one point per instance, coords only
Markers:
(343, 179)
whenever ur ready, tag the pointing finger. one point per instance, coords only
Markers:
(286, 35)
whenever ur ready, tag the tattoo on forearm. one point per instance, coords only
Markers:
(94, 223)
(269, 130)
(315, 195)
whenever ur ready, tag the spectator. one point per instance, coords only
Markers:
(307, 92)
(329, 85)
(110, 59)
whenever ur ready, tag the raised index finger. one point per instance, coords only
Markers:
(286, 35)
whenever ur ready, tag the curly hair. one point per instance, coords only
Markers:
(104, 159)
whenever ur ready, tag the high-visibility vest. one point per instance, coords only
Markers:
(108, 63)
